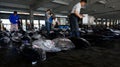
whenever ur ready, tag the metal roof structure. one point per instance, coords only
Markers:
(97, 8)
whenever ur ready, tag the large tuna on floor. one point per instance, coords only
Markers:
(4, 39)
(47, 45)
(63, 43)
(80, 42)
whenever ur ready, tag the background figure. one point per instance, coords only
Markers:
(56, 25)
(20, 25)
(14, 19)
(54, 22)
(47, 22)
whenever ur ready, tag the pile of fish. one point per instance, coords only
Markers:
(54, 45)
(32, 45)
(4, 39)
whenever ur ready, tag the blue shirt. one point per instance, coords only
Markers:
(14, 19)
(51, 19)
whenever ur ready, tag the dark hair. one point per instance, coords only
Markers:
(84, 1)
(15, 12)
(48, 9)
(51, 13)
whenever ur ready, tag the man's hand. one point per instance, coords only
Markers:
(16, 20)
(81, 17)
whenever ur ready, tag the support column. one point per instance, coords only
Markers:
(0, 24)
(114, 23)
(21, 23)
(106, 22)
(110, 23)
(118, 23)
(96, 21)
(102, 21)
(39, 24)
(31, 19)
(26, 24)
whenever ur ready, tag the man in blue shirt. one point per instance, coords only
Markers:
(14, 18)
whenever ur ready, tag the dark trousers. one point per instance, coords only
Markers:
(48, 26)
(74, 25)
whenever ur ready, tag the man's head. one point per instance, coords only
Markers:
(49, 11)
(51, 14)
(15, 12)
(83, 3)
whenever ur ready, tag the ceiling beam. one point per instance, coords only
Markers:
(13, 5)
(37, 3)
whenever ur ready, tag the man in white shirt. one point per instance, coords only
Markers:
(74, 18)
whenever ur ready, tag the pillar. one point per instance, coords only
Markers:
(31, 19)
(0, 25)
(118, 21)
(118, 24)
(113, 23)
(26, 24)
(96, 21)
(39, 24)
(21, 23)
(102, 21)
(110, 23)
(106, 22)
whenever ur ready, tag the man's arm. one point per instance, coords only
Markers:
(77, 14)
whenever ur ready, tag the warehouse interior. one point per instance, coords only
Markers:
(31, 46)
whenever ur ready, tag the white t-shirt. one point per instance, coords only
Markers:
(77, 7)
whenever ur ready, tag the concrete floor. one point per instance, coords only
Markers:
(97, 56)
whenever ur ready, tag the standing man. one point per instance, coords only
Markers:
(52, 16)
(14, 19)
(74, 18)
(47, 22)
